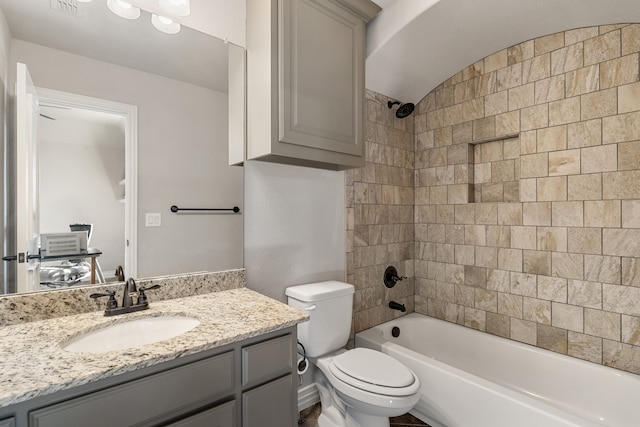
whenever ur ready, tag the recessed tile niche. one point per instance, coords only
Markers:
(495, 170)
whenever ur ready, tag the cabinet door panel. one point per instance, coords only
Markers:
(321, 80)
(269, 405)
(266, 360)
(9, 422)
(142, 401)
(220, 416)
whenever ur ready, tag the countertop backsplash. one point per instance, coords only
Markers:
(22, 308)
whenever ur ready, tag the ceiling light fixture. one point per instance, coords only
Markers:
(123, 9)
(165, 24)
(176, 7)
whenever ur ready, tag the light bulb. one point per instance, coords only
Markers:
(123, 9)
(176, 7)
(164, 24)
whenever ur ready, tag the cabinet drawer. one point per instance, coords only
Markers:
(269, 405)
(147, 400)
(266, 360)
(220, 416)
(8, 422)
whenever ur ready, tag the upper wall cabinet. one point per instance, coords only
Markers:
(305, 81)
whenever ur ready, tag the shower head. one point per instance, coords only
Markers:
(404, 110)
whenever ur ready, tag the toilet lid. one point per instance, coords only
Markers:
(373, 367)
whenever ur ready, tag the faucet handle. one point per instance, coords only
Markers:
(142, 297)
(111, 303)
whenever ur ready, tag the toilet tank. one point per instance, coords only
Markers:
(329, 305)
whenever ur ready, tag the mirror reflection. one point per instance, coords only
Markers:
(146, 118)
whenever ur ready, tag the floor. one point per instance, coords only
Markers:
(309, 418)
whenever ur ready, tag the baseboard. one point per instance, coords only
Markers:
(308, 396)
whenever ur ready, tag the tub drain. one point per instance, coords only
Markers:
(395, 332)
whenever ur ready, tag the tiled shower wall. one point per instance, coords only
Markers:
(528, 195)
(380, 223)
(526, 198)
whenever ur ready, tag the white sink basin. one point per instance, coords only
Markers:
(131, 334)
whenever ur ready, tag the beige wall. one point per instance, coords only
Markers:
(535, 237)
(379, 201)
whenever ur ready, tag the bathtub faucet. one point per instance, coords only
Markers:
(397, 306)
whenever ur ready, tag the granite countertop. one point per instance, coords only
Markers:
(34, 363)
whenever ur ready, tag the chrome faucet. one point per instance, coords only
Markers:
(129, 292)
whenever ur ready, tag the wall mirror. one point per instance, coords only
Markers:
(177, 86)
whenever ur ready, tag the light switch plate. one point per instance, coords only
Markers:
(153, 220)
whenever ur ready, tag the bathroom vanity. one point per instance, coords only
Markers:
(237, 368)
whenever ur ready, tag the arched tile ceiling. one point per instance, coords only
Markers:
(414, 45)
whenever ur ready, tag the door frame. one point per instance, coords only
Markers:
(130, 115)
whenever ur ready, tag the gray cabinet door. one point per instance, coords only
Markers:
(9, 422)
(322, 66)
(269, 405)
(266, 360)
(147, 400)
(220, 416)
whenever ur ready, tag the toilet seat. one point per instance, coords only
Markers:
(374, 372)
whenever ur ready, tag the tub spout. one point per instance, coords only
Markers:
(397, 306)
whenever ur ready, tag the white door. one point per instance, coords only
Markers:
(27, 219)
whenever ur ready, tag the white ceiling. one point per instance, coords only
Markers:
(189, 56)
(414, 45)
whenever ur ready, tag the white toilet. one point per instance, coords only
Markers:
(359, 387)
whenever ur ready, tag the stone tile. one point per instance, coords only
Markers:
(536, 68)
(510, 259)
(619, 71)
(621, 128)
(567, 214)
(549, 89)
(491, 192)
(524, 331)
(567, 59)
(585, 347)
(602, 324)
(552, 338)
(528, 190)
(486, 257)
(552, 189)
(599, 104)
(602, 48)
(564, 111)
(621, 299)
(465, 254)
(486, 213)
(496, 61)
(536, 310)
(462, 132)
(486, 300)
(509, 77)
(552, 239)
(599, 159)
(520, 52)
(568, 317)
(510, 305)
(621, 185)
(580, 34)
(567, 265)
(631, 330)
(584, 134)
(523, 237)
(584, 187)
(630, 39)
(535, 117)
(631, 272)
(507, 123)
(631, 213)
(536, 262)
(566, 162)
(583, 80)
(621, 242)
(606, 213)
(552, 139)
(528, 142)
(604, 269)
(521, 97)
(484, 128)
(509, 214)
(486, 84)
(585, 294)
(496, 103)
(523, 284)
(629, 98)
(548, 43)
(498, 280)
(538, 213)
(584, 240)
(628, 155)
(552, 289)
(534, 165)
(498, 324)
(621, 356)
(465, 214)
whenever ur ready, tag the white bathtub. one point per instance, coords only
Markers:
(474, 379)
